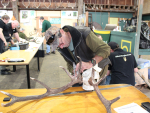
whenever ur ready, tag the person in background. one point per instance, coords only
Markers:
(100, 37)
(108, 78)
(3, 43)
(22, 35)
(45, 25)
(12, 28)
(79, 41)
(123, 65)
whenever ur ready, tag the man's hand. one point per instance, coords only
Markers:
(5, 43)
(85, 65)
(12, 42)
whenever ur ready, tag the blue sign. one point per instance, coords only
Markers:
(55, 20)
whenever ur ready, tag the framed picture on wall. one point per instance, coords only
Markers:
(24, 16)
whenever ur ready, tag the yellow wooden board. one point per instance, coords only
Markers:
(74, 103)
(114, 21)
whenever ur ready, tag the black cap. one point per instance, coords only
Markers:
(113, 45)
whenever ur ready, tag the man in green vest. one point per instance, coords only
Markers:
(79, 41)
(22, 35)
(45, 25)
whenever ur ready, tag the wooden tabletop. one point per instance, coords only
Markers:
(25, 54)
(11, 54)
(86, 102)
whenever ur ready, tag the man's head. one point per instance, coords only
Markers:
(113, 45)
(5, 18)
(58, 37)
(22, 30)
(41, 18)
(14, 24)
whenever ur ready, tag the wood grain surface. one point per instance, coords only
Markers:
(86, 102)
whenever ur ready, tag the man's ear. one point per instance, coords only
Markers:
(61, 31)
(111, 50)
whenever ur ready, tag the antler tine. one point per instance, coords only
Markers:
(45, 5)
(48, 88)
(79, 70)
(115, 99)
(4, 4)
(56, 5)
(107, 103)
(25, 5)
(80, 64)
(75, 79)
(38, 5)
(67, 72)
(18, 99)
(61, 2)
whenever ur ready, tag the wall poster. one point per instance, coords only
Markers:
(69, 14)
(24, 16)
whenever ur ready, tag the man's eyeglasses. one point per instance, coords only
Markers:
(50, 40)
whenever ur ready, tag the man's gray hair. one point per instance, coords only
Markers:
(5, 17)
(41, 18)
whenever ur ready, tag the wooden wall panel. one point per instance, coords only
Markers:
(122, 2)
(115, 2)
(128, 2)
(86, 1)
(65, 0)
(93, 1)
(107, 2)
(146, 7)
(72, 1)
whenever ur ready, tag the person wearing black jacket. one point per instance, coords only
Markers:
(13, 31)
(123, 65)
(3, 43)
(79, 41)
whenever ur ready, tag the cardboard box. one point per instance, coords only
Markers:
(138, 79)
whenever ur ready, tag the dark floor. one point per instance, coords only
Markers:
(50, 73)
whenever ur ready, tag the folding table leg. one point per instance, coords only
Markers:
(14, 68)
(38, 60)
(28, 76)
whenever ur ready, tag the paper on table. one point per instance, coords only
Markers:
(130, 108)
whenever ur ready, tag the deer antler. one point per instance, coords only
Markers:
(74, 80)
(5, 4)
(72, 5)
(38, 5)
(25, 5)
(59, 4)
(49, 4)
(65, 5)
(107, 103)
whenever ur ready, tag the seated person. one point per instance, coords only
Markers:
(22, 35)
(123, 65)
